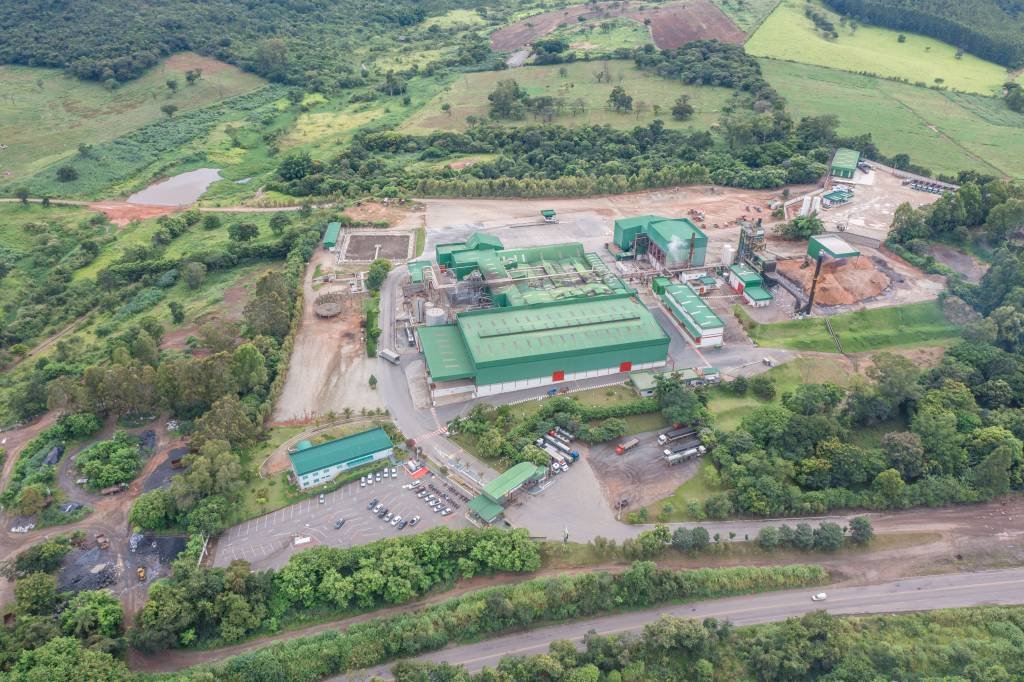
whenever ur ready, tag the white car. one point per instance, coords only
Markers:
(394, 472)
(821, 596)
(362, 482)
(378, 477)
(394, 521)
(385, 473)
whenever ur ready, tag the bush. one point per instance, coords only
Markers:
(763, 387)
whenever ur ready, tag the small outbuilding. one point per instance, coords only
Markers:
(331, 236)
(830, 245)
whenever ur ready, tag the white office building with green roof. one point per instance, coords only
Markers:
(315, 465)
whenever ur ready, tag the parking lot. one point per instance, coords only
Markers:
(639, 475)
(268, 541)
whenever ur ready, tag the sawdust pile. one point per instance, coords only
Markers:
(841, 282)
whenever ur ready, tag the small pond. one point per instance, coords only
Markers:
(180, 190)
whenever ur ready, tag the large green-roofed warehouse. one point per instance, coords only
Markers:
(317, 464)
(672, 243)
(509, 349)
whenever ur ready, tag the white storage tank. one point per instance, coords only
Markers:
(728, 253)
(436, 317)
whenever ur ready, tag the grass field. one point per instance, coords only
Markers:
(605, 36)
(916, 324)
(943, 131)
(467, 95)
(787, 34)
(747, 14)
(45, 115)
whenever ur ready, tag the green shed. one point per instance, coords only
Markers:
(831, 245)
(331, 236)
(844, 163)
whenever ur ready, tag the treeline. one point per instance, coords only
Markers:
(495, 611)
(202, 605)
(975, 644)
(986, 28)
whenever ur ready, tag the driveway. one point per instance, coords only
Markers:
(268, 541)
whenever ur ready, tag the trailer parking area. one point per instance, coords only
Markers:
(640, 474)
(268, 541)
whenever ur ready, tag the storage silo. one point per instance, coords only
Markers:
(436, 317)
(728, 253)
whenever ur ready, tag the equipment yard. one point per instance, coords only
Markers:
(640, 475)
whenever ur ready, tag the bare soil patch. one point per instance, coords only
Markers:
(184, 61)
(671, 25)
(365, 246)
(967, 265)
(840, 282)
(121, 212)
(639, 475)
(396, 214)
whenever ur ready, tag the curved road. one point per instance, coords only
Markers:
(1003, 587)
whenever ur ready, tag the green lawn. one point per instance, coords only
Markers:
(467, 95)
(45, 114)
(788, 34)
(916, 324)
(943, 131)
(602, 37)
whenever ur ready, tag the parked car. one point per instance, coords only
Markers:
(339, 523)
(377, 508)
(385, 472)
(394, 472)
(373, 503)
(395, 521)
(387, 517)
(402, 524)
(414, 520)
(421, 494)
(377, 477)
(382, 512)
(438, 508)
(322, 498)
(821, 596)
(447, 511)
(362, 482)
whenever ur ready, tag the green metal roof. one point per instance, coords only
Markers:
(830, 244)
(338, 451)
(746, 274)
(445, 353)
(676, 234)
(304, 445)
(846, 159)
(686, 299)
(757, 293)
(483, 240)
(511, 479)
(485, 508)
(416, 269)
(331, 235)
(562, 328)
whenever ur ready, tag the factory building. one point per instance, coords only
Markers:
(844, 163)
(669, 243)
(499, 350)
(700, 322)
(317, 464)
(746, 281)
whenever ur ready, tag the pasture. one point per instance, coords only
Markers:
(747, 14)
(45, 115)
(605, 36)
(946, 132)
(789, 35)
(467, 95)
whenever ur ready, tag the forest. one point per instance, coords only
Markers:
(315, 43)
(991, 29)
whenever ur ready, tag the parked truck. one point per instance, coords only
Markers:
(674, 434)
(113, 490)
(681, 446)
(677, 457)
(554, 442)
(626, 445)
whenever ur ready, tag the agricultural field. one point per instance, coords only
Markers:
(747, 14)
(605, 36)
(467, 96)
(45, 115)
(906, 326)
(944, 131)
(789, 35)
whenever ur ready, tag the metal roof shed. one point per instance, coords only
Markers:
(331, 235)
(831, 245)
(445, 353)
(339, 451)
(486, 508)
(844, 163)
(513, 479)
(482, 240)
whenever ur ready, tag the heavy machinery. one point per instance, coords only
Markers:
(141, 573)
(549, 216)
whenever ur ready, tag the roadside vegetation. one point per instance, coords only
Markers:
(817, 645)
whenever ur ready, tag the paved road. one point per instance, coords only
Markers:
(912, 594)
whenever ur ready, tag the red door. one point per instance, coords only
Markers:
(558, 375)
(626, 366)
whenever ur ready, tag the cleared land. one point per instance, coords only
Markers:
(604, 36)
(943, 131)
(747, 14)
(671, 25)
(468, 96)
(788, 34)
(45, 115)
(917, 324)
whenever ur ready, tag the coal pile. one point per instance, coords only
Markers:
(91, 569)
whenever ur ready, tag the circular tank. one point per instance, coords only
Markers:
(728, 251)
(436, 317)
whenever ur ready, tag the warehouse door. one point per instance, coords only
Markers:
(558, 375)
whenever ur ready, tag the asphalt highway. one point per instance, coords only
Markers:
(1001, 587)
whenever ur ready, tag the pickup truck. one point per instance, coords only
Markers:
(626, 445)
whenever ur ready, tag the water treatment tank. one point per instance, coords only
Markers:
(728, 253)
(436, 316)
